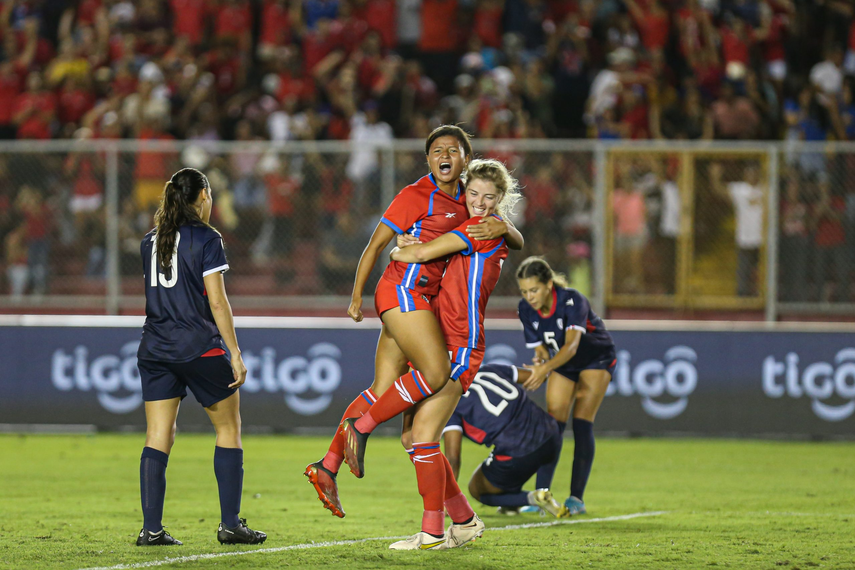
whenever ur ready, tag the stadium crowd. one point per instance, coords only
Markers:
(368, 70)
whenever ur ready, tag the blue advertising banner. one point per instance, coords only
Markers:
(715, 383)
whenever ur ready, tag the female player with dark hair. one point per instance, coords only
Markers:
(410, 333)
(467, 284)
(188, 325)
(574, 349)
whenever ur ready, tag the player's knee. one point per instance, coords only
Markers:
(474, 489)
(437, 375)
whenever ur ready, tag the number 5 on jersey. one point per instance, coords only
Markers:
(156, 275)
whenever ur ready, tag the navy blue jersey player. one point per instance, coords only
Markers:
(574, 349)
(495, 411)
(188, 325)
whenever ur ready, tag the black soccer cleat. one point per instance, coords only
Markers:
(162, 538)
(241, 534)
(354, 447)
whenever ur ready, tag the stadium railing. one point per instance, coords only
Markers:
(761, 228)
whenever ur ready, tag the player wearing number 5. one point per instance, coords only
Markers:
(187, 328)
(574, 349)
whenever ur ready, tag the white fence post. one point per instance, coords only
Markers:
(598, 251)
(772, 236)
(112, 230)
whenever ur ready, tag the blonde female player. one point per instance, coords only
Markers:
(574, 349)
(410, 334)
(467, 284)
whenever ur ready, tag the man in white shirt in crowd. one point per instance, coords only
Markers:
(747, 197)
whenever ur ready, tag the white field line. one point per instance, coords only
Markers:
(196, 557)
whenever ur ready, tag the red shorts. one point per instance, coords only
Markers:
(389, 295)
(465, 363)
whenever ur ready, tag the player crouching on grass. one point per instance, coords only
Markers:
(496, 412)
(188, 325)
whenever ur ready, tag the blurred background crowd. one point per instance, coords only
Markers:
(377, 70)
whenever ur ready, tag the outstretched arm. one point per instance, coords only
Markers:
(379, 240)
(443, 245)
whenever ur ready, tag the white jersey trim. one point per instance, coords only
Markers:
(221, 268)
(576, 328)
(533, 344)
(452, 428)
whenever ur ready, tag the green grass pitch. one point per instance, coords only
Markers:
(73, 502)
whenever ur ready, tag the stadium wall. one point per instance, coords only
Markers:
(672, 378)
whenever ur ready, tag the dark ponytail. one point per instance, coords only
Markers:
(538, 268)
(177, 208)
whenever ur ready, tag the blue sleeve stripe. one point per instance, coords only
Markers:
(395, 228)
(469, 249)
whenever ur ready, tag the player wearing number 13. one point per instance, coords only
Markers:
(188, 325)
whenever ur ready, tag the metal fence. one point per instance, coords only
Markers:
(679, 226)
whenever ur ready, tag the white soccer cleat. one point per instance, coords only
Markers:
(543, 498)
(460, 534)
(420, 541)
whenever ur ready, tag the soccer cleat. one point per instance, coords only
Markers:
(162, 538)
(241, 534)
(530, 510)
(354, 447)
(574, 506)
(544, 499)
(508, 511)
(420, 541)
(460, 534)
(324, 482)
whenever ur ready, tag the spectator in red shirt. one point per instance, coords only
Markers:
(234, 22)
(34, 111)
(283, 189)
(380, 16)
(439, 40)
(36, 217)
(10, 88)
(542, 194)
(276, 18)
(653, 24)
(735, 42)
(75, 100)
(488, 22)
(188, 19)
(770, 36)
(318, 43)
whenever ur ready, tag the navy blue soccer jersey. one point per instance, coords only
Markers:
(496, 411)
(179, 325)
(570, 311)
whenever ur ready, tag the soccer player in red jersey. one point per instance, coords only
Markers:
(467, 284)
(410, 334)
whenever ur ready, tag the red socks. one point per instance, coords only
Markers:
(408, 390)
(430, 473)
(456, 504)
(357, 408)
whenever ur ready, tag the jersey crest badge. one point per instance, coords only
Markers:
(450, 214)
(560, 323)
(570, 303)
(535, 324)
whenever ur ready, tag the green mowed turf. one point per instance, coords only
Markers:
(73, 502)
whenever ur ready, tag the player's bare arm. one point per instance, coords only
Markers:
(381, 237)
(539, 372)
(443, 245)
(222, 311)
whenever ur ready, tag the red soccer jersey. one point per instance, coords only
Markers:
(425, 211)
(469, 280)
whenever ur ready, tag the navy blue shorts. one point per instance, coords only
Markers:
(608, 363)
(510, 473)
(207, 377)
